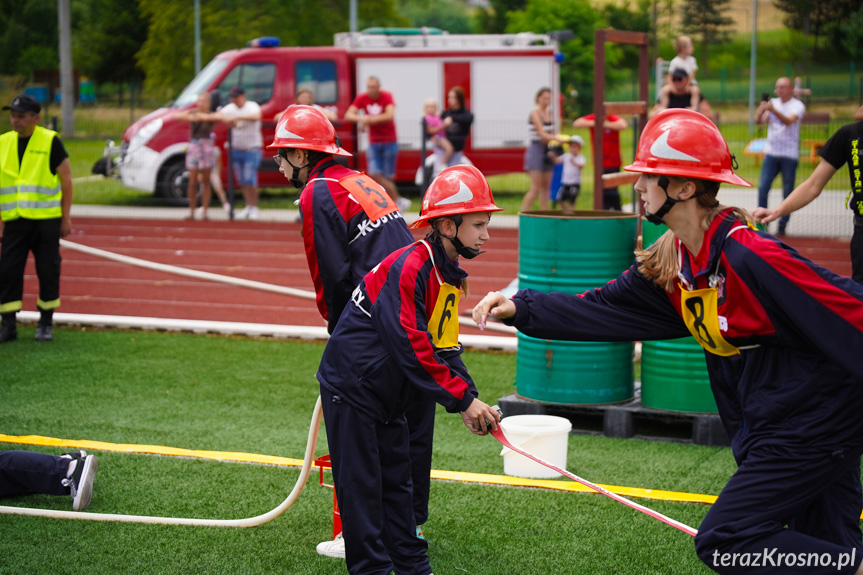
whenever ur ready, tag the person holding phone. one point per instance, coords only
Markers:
(843, 148)
(781, 154)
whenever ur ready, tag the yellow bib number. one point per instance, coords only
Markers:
(699, 311)
(443, 324)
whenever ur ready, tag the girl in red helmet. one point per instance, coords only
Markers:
(350, 224)
(782, 338)
(398, 337)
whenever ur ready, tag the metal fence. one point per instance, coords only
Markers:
(826, 216)
(730, 85)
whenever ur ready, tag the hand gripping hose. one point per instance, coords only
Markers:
(620, 499)
(249, 522)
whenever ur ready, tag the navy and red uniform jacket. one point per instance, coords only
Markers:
(381, 350)
(799, 385)
(342, 244)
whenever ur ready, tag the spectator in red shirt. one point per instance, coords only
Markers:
(378, 116)
(611, 161)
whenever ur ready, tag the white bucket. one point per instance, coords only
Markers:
(545, 436)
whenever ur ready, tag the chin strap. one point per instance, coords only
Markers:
(669, 202)
(463, 251)
(665, 207)
(294, 179)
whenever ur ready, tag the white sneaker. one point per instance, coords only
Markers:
(403, 204)
(242, 214)
(199, 211)
(254, 214)
(334, 548)
(227, 207)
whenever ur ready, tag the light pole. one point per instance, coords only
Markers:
(353, 23)
(753, 52)
(67, 83)
(197, 36)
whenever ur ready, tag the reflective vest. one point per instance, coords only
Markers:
(30, 190)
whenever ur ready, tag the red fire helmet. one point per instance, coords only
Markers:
(456, 190)
(680, 142)
(306, 128)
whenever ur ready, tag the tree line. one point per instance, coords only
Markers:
(151, 42)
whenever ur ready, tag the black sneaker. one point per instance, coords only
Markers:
(80, 480)
(8, 330)
(43, 332)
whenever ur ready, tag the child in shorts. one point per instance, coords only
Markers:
(570, 180)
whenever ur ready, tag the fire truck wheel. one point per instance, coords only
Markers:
(103, 166)
(173, 181)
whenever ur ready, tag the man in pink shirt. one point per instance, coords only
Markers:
(378, 116)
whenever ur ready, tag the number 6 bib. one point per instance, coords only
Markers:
(443, 323)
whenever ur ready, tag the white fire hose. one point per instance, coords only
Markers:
(317, 415)
(249, 522)
(313, 430)
(283, 290)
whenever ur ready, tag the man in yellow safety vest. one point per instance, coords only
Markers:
(35, 201)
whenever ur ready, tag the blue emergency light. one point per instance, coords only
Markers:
(264, 42)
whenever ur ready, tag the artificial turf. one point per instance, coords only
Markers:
(256, 395)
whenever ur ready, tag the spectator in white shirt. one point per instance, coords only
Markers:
(782, 152)
(244, 116)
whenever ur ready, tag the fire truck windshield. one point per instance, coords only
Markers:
(200, 84)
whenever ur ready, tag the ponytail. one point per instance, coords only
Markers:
(658, 262)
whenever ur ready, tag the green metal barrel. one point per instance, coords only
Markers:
(572, 254)
(673, 372)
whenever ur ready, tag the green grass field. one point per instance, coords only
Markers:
(248, 395)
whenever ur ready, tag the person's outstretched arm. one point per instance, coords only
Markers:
(801, 196)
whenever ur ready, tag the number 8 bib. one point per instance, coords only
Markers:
(698, 309)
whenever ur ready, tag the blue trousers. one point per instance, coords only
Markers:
(773, 166)
(372, 476)
(786, 511)
(29, 472)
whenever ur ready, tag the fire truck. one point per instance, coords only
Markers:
(500, 74)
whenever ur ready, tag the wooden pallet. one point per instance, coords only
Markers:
(629, 419)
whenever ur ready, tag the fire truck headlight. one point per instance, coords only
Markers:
(145, 134)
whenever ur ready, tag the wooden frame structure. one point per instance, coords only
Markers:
(601, 108)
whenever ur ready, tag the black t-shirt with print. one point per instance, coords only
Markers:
(843, 147)
(58, 152)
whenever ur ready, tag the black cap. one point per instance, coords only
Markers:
(679, 74)
(237, 91)
(24, 103)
